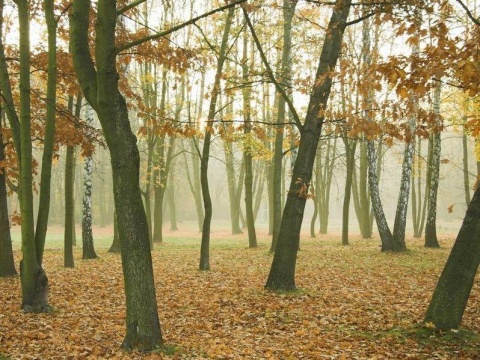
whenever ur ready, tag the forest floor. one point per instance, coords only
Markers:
(352, 302)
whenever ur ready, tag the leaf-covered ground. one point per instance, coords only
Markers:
(353, 303)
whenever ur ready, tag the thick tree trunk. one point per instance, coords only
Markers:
(282, 271)
(450, 296)
(100, 87)
(115, 247)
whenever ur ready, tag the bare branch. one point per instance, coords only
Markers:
(360, 19)
(175, 28)
(469, 13)
(270, 72)
(129, 6)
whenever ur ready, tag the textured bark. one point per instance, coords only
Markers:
(451, 293)
(404, 195)
(431, 239)
(87, 234)
(100, 87)
(7, 264)
(282, 271)
(386, 237)
(115, 247)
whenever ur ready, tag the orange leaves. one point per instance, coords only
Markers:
(354, 303)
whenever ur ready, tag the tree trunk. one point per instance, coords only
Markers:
(33, 278)
(451, 293)
(466, 180)
(285, 75)
(171, 200)
(7, 264)
(49, 137)
(207, 201)
(350, 147)
(386, 237)
(431, 226)
(247, 151)
(87, 234)
(404, 194)
(115, 247)
(69, 208)
(282, 271)
(100, 87)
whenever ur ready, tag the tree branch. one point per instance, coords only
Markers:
(360, 19)
(129, 6)
(270, 72)
(175, 28)
(469, 13)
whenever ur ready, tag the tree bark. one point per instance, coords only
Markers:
(386, 237)
(282, 271)
(33, 278)
(100, 87)
(87, 233)
(451, 293)
(7, 264)
(431, 239)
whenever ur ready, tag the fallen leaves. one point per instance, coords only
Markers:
(351, 304)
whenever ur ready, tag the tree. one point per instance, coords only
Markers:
(247, 153)
(207, 201)
(282, 271)
(88, 249)
(99, 82)
(69, 195)
(285, 74)
(7, 264)
(431, 239)
(451, 293)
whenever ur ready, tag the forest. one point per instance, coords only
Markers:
(239, 179)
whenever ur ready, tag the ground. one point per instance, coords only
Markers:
(352, 303)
